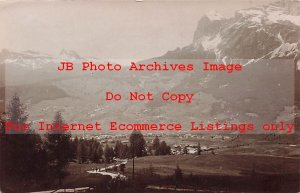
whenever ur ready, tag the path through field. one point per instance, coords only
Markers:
(104, 171)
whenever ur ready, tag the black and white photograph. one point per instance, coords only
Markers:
(150, 96)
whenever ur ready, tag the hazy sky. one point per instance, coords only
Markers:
(106, 29)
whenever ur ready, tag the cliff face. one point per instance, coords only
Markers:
(261, 32)
(264, 39)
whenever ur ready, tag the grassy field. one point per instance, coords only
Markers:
(231, 165)
(250, 161)
(231, 173)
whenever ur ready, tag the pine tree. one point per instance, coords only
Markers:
(79, 153)
(18, 151)
(16, 111)
(163, 148)
(137, 144)
(100, 151)
(74, 146)
(95, 156)
(108, 154)
(124, 153)
(59, 149)
(156, 145)
(117, 149)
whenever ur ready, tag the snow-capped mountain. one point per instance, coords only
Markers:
(69, 55)
(31, 60)
(26, 60)
(260, 32)
(264, 39)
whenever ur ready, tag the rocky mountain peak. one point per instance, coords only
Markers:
(210, 24)
(252, 33)
(69, 54)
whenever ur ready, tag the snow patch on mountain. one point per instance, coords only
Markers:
(270, 14)
(214, 16)
(29, 59)
(284, 17)
(252, 15)
(285, 50)
(69, 55)
(211, 43)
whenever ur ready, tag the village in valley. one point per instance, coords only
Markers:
(263, 40)
(180, 143)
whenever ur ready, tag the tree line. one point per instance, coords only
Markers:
(29, 157)
(91, 150)
(32, 159)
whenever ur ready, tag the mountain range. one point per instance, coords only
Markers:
(265, 40)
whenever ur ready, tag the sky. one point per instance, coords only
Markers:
(117, 29)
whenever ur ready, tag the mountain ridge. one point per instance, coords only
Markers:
(264, 39)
